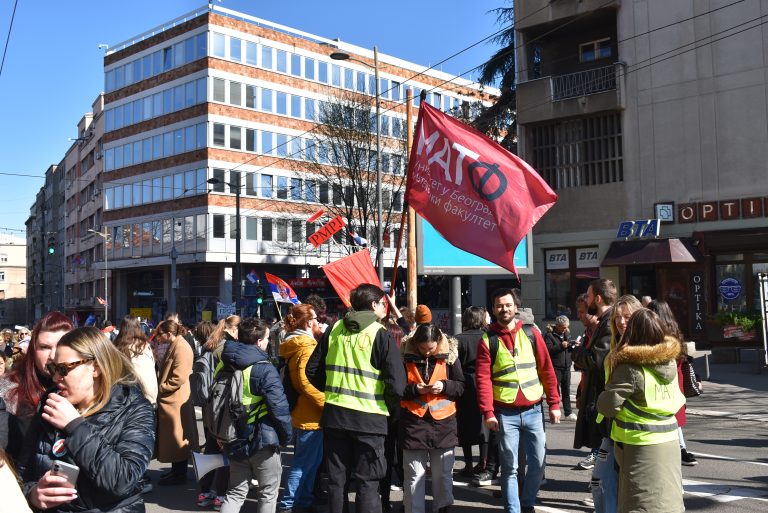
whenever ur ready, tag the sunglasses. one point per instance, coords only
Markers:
(62, 369)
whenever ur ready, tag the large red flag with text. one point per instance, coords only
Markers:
(347, 273)
(479, 196)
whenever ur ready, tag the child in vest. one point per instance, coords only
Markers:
(428, 431)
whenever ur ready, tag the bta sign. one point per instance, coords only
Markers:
(642, 229)
(328, 229)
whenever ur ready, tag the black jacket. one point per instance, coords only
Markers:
(469, 418)
(273, 430)
(112, 448)
(385, 358)
(561, 357)
(417, 433)
(590, 359)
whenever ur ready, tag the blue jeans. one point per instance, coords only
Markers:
(513, 424)
(307, 455)
(605, 479)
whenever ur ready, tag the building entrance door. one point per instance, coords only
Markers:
(641, 280)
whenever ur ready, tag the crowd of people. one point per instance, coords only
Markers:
(374, 402)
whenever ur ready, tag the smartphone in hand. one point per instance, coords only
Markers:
(66, 470)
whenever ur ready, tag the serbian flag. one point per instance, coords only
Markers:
(281, 291)
(479, 196)
(360, 241)
(347, 273)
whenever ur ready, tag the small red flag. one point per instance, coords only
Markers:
(479, 196)
(316, 216)
(347, 273)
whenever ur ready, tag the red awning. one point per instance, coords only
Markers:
(656, 251)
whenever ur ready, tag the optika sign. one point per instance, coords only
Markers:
(704, 211)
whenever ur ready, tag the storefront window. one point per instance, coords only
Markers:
(729, 286)
(569, 272)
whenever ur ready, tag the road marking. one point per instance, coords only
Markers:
(722, 493)
(728, 458)
(753, 417)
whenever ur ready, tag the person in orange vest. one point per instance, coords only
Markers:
(428, 431)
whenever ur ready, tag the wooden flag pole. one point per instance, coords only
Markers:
(411, 255)
(405, 219)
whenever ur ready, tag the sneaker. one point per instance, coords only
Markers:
(687, 459)
(395, 488)
(589, 502)
(205, 499)
(485, 478)
(570, 416)
(588, 462)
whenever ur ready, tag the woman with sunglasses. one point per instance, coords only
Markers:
(22, 388)
(98, 420)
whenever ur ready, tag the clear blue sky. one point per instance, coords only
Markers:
(54, 69)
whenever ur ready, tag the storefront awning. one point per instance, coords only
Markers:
(656, 251)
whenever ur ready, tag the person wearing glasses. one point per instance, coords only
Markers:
(364, 381)
(22, 388)
(297, 350)
(98, 420)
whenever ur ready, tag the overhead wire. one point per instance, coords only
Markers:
(8, 37)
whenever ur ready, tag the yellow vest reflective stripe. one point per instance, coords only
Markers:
(652, 424)
(351, 381)
(510, 373)
(254, 404)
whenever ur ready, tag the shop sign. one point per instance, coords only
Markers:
(557, 259)
(642, 229)
(586, 258)
(704, 211)
(730, 288)
(698, 302)
(143, 293)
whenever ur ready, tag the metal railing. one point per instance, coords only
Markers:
(583, 83)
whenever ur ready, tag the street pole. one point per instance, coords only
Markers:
(104, 236)
(236, 275)
(380, 217)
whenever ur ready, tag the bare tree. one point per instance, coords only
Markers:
(342, 155)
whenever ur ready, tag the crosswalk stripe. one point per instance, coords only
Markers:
(727, 458)
(722, 493)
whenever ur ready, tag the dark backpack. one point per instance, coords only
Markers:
(202, 378)
(493, 342)
(224, 414)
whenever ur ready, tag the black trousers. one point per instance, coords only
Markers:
(359, 455)
(564, 383)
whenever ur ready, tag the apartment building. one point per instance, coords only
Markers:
(218, 108)
(13, 271)
(649, 120)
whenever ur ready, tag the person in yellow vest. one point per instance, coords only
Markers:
(428, 431)
(642, 396)
(513, 373)
(364, 381)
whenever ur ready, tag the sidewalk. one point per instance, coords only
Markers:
(734, 390)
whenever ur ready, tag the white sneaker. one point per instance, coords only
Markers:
(589, 502)
(572, 416)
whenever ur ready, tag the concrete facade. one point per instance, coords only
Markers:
(13, 275)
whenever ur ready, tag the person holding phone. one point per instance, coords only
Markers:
(97, 430)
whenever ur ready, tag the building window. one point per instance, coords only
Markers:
(266, 229)
(568, 274)
(266, 186)
(296, 230)
(218, 135)
(219, 90)
(594, 50)
(218, 226)
(281, 227)
(282, 187)
(2, 275)
(736, 283)
(250, 228)
(218, 174)
(579, 152)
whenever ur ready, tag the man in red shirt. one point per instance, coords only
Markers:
(513, 375)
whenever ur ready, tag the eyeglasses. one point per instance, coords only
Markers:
(62, 369)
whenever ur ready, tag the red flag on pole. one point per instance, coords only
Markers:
(347, 273)
(479, 196)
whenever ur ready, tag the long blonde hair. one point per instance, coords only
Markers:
(114, 366)
(229, 322)
(633, 305)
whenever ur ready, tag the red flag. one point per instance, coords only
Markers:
(479, 196)
(347, 273)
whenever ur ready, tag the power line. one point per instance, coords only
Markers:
(8, 39)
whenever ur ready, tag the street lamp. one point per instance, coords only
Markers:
(236, 274)
(341, 56)
(106, 268)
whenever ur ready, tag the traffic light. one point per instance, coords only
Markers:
(51, 246)
(259, 295)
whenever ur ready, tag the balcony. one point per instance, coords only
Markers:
(574, 94)
(529, 13)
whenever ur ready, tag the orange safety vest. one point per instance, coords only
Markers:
(439, 407)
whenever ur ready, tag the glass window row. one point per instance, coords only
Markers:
(159, 188)
(163, 145)
(164, 102)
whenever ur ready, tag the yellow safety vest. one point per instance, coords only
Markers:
(510, 373)
(654, 423)
(254, 404)
(351, 381)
